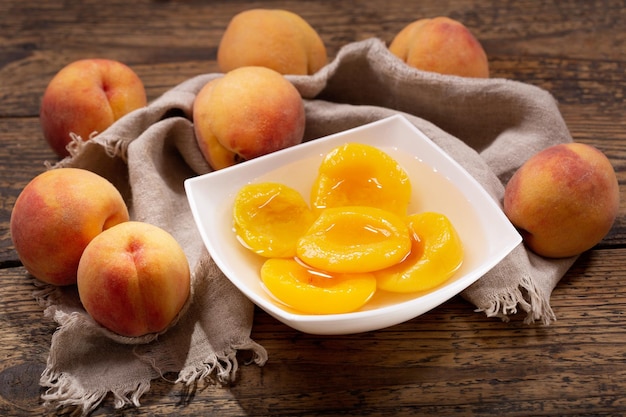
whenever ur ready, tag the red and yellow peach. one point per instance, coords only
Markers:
(55, 217)
(134, 279)
(85, 98)
(564, 199)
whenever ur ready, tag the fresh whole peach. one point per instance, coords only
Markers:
(249, 112)
(441, 45)
(272, 38)
(56, 215)
(86, 97)
(134, 279)
(564, 199)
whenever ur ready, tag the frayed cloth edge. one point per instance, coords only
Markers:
(45, 294)
(63, 390)
(222, 367)
(540, 308)
(527, 296)
(113, 147)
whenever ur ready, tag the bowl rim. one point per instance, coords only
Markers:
(317, 324)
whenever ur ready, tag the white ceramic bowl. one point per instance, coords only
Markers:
(439, 184)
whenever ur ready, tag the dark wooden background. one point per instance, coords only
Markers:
(450, 361)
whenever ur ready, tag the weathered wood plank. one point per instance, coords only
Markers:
(450, 361)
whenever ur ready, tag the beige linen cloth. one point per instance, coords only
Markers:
(490, 126)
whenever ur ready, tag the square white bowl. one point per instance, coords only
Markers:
(439, 184)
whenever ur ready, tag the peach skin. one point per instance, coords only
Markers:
(134, 279)
(441, 45)
(563, 200)
(249, 112)
(85, 98)
(56, 215)
(272, 38)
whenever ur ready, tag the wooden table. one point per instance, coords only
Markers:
(450, 361)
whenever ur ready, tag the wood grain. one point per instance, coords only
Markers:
(450, 361)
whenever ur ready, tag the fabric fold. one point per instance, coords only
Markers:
(489, 126)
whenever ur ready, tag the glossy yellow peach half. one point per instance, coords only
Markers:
(313, 292)
(356, 174)
(269, 218)
(436, 254)
(355, 239)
